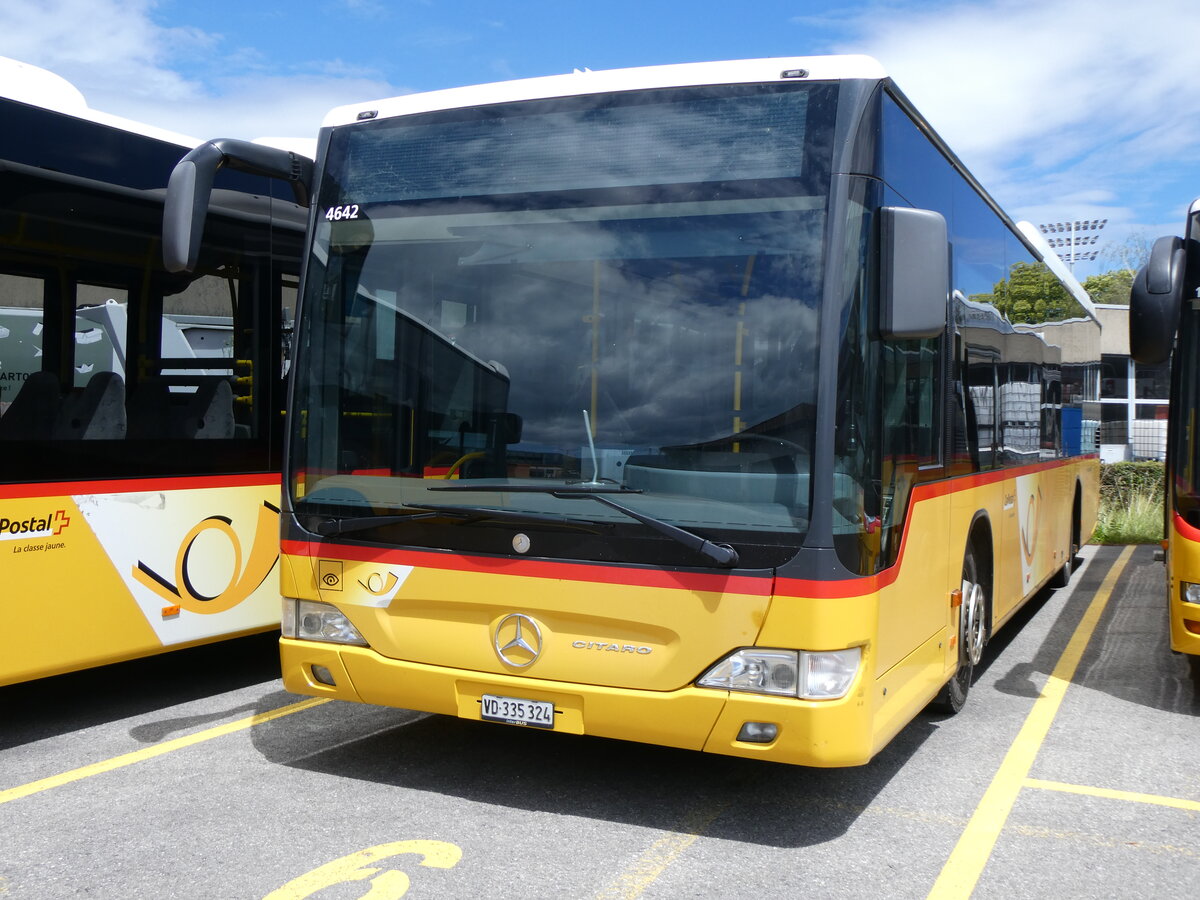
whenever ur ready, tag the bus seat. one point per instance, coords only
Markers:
(31, 414)
(95, 412)
(209, 412)
(156, 412)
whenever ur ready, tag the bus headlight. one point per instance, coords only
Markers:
(1191, 592)
(808, 675)
(307, 620)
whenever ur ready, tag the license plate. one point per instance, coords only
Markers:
(538, 713)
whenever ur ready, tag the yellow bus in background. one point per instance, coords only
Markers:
(1164, 323)
(140, 410)
(714, 406)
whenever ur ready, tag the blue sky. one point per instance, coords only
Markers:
(1063, 108)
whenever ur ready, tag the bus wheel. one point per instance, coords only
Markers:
(1062, 577)
(972, 635)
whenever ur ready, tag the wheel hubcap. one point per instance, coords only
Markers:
(972, 622)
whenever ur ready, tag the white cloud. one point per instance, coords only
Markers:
(111, 45)
(1082, 104)
(1084, 107)
(128, 65)
(253, 106)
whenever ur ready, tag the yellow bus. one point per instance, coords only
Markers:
(713, 406)
(1164, 323)
(140, 410)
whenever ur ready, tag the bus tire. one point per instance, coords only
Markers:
(1062, 577)
(972, 635)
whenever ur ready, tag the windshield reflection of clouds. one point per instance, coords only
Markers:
(684, 142)
(614, 307)
(655, 265)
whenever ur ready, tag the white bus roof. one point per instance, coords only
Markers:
(748, 71)
(38, 87)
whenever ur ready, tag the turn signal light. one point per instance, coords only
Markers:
(805, 674)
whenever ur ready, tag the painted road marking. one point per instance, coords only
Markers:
(962, 870)
(386, 884)
(1127, 796)
(137, 756)
(650, 865)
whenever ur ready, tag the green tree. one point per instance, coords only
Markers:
(1032, 293)
(1110, 287)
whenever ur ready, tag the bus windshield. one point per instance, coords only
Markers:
(615, 294)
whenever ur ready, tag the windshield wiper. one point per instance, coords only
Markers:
(721, 554)
(468, 514)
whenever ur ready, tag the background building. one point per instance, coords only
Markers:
(1133, 398)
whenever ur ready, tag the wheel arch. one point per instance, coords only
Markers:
(981, 544)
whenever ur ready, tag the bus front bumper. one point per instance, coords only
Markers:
(1185, 625)
(826, 733)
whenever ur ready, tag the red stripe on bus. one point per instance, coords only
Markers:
(856, 587)
(1186, 531)
(637, 577)
(536, 568)
(133, 485)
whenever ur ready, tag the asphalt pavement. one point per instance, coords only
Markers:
(1073, 771)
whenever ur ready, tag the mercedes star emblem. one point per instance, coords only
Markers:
(518, 640)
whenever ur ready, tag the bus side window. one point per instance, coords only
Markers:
(980, 390)
(912, 402)
(912, 426)
(198, 384)
(31, 417)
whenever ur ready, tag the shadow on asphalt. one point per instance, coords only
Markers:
(1128, 656)
(525, 769)
(673, 790)
(63, 704)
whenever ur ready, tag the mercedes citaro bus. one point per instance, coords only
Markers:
(714, 406)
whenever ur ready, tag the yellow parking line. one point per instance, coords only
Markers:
(137, 756)
(633, 881)
(962, 870)
(1128, 796)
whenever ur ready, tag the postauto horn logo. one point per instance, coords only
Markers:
(48, 525)
(264, 551)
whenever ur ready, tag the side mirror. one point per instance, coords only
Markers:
(1155, 301)
(190, 188)
(914, 273)
(508, 428)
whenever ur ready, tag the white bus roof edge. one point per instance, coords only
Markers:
(582, 82)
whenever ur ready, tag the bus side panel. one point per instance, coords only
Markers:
(1035, 530)
(98, 578)
(1183, 555)
(916, 605)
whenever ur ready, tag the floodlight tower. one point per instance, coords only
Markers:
(1068, 237)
